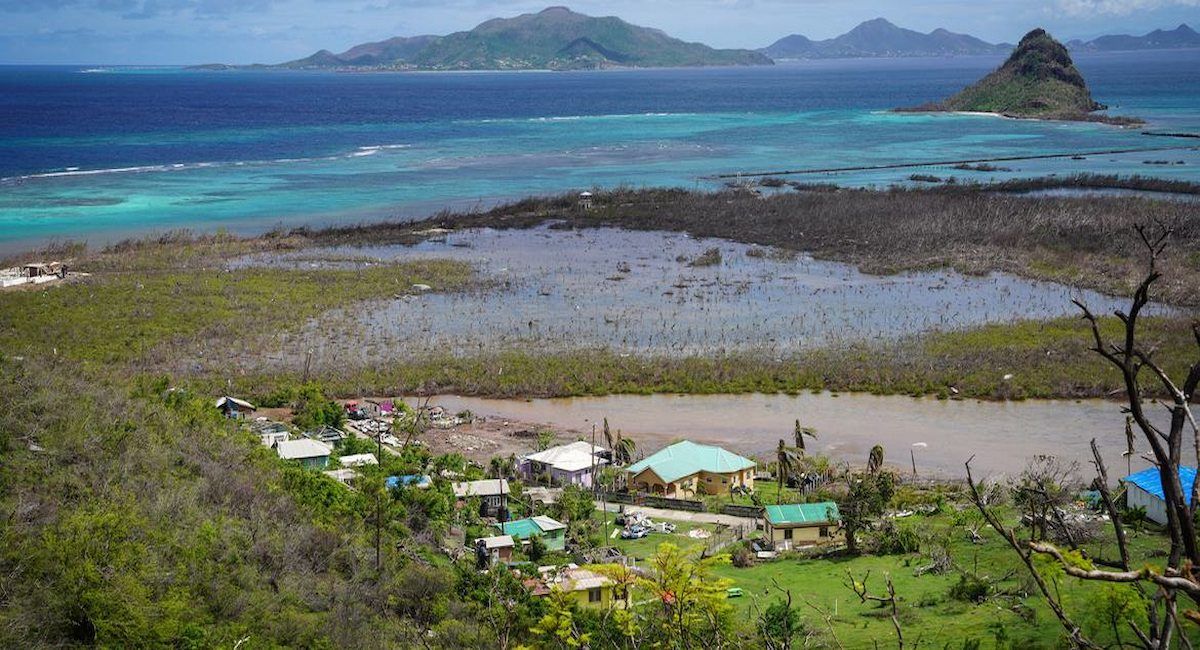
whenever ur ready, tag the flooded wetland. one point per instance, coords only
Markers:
(657, 294)
(651, 294)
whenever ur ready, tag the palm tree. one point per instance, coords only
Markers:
(800, 432)
(875, 462)
(786, 460)
(624, 449)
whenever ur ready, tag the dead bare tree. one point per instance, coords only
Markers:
(1181, 575)
(890, 601)
(1114, 515)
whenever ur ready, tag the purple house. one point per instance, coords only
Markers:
(571, 464)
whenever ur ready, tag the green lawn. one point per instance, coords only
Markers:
(927, 610)
(640, 549)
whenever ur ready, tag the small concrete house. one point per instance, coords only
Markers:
(345, 475)
(269, 433)
(571, 464)
(358, 460)
(234, 408)
(588, 588)
(686, 469)
(498, 548)
(553, 533)
(328, 435)
(309, 453)
(493, 492)
(1144, 489)
(802, 524)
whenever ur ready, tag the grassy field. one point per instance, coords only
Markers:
(928, 611)
(1013, 617)
(150, 320)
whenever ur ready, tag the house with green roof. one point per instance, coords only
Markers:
(553, 533)
(802, 524)
(686, 469)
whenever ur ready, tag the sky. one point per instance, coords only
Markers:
(170, 32)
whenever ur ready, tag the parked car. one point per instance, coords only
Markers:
(635, 532)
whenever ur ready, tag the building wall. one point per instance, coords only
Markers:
(556, 540)
(711, 483)
(1156, 508)
(534, 471)
(803, 535)
(694, 485)
(320, 462)
(584, 599)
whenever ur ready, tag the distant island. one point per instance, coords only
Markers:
(557, 38)
(1038, 81)
(880, 38)
(553, 39)
(1180, 38)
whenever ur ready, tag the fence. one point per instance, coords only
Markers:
(754, 512)
(653, 501)
(672, 504)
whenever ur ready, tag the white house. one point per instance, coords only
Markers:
(571, 464)
(309, 453)
(1144, 489)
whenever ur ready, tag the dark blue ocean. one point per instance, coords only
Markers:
(106, 152)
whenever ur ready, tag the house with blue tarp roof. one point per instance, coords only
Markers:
(410, 480)
(1144, 489)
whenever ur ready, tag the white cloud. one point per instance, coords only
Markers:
(1119, 7)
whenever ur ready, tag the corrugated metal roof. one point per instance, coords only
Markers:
(485, 488)
(301, 449)
(499, 541)
(803, 513)
(526, 528)
(570, 458)
(686, 458)
(1150, 480)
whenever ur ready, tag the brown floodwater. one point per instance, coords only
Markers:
(1002, 436)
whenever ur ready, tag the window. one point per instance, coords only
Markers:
(594, 595)
(787, 533)
(824, 531)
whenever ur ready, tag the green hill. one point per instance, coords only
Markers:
(558, 38)
(1039, 80)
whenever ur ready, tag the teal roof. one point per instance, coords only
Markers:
(686, 458)
(526, 528)
(803, 513)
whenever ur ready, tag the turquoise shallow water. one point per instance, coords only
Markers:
(100, 156)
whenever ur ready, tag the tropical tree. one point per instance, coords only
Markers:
(786, 461)
(501, 467)
(559, 627)
(867, 495)
(800, 432)
(690, 608)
